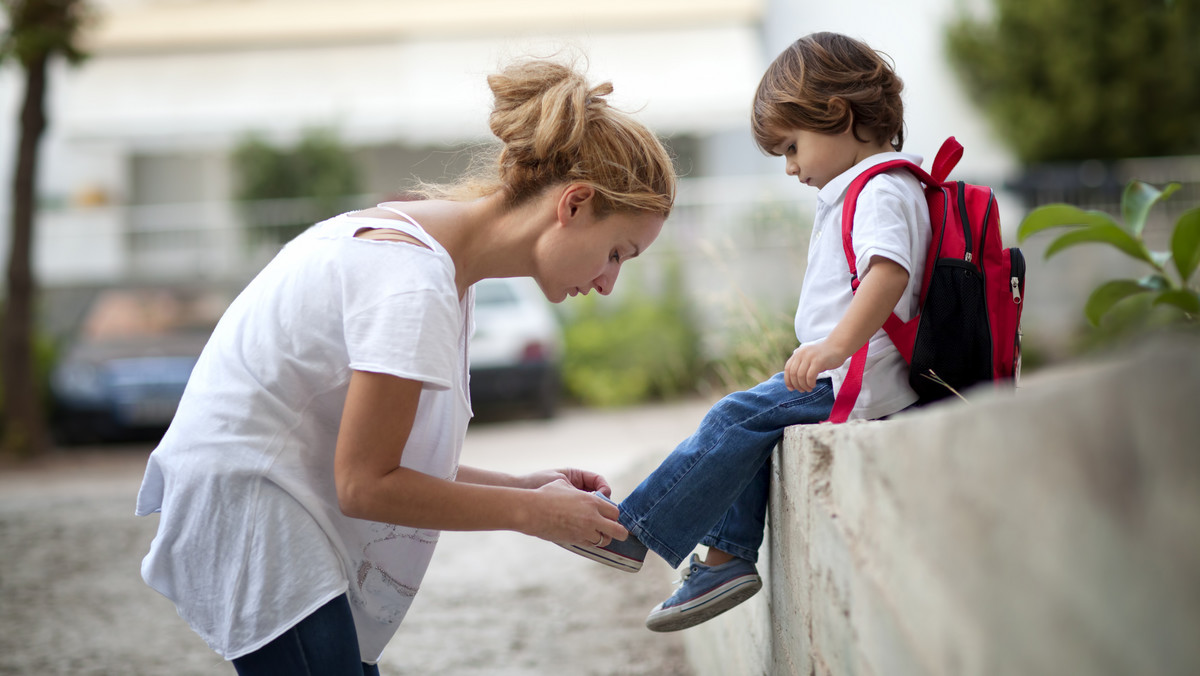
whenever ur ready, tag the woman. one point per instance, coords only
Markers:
(314, 456)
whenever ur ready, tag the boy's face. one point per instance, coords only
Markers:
(816, 158)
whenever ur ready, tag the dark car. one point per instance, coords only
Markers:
(123, 372)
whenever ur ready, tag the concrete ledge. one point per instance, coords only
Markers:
(1054, 531)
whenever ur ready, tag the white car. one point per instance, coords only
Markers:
(516, 350)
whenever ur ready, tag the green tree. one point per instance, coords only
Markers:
(1085, 79)
(318, 169)
(37, 31)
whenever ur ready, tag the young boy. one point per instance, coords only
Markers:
(830, 106)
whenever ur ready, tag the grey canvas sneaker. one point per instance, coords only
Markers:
(627, 555)
(707, 591)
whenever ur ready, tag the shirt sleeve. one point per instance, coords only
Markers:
(400, 321)
(886, 219)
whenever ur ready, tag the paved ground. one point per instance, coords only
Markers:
(500, 604)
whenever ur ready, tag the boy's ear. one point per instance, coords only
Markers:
(575, 199)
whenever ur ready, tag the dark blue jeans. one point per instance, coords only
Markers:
(322, 644)
(712, 489)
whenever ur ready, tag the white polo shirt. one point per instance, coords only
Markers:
(892, 221)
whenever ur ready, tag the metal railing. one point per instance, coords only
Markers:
(183, 241)
(737, 240)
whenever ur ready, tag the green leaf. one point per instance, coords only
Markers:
(1185, 243)
(1184, 299)
(1109, 294)
(1059, 216)
(1104, 233)
(1137, 200)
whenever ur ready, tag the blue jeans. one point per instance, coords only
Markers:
(322, 644)
(712, 489)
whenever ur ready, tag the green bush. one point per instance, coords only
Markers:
(1126, 325)
(645, 347)
(1121, 310)
(318, 169)
(1170, 280)
(757, 349)
(45, 355)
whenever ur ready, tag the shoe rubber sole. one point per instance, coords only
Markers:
(704, 607)
(611, 559)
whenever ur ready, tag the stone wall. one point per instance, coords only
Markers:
(1051, 531)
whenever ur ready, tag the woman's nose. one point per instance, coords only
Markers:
(607, 280)
(791, 168)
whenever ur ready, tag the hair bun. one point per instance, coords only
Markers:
(556, 129)
(541, 111)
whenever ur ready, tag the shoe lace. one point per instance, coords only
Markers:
(684, 574)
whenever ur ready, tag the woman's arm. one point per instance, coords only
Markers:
(877, 295)
(581, 479)
(376, 421)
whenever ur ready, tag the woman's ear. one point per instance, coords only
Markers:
(576, 198)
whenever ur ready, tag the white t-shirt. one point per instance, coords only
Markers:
(892, 221)
(251, 539)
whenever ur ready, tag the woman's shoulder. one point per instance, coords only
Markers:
(380, 255)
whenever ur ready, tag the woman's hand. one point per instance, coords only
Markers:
(579, 478)
(566, 514)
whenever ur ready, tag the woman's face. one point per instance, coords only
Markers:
(587, 253)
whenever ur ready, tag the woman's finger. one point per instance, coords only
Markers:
(601, 484)
(613, 530)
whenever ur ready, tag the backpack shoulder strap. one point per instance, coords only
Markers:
(947, 156)
(850, 204)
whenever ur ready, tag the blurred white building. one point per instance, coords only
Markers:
(136, 177)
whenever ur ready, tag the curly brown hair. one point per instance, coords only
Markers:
(828, 83)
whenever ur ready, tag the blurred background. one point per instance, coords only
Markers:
(199, 135)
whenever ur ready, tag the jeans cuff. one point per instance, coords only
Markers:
(654, 544)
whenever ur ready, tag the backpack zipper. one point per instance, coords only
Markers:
(1016, 271)
(1016, 266)
(962, 212)
(987, 222)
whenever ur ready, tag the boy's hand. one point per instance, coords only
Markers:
(807, 362)
(882, 287)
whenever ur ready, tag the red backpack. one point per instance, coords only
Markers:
(967, 326)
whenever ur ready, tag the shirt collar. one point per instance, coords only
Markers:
(834, 189)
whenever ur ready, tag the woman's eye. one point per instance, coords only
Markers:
(616, 257)
(791, 149)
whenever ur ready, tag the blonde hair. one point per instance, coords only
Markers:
(826, 82)
(556, 129)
